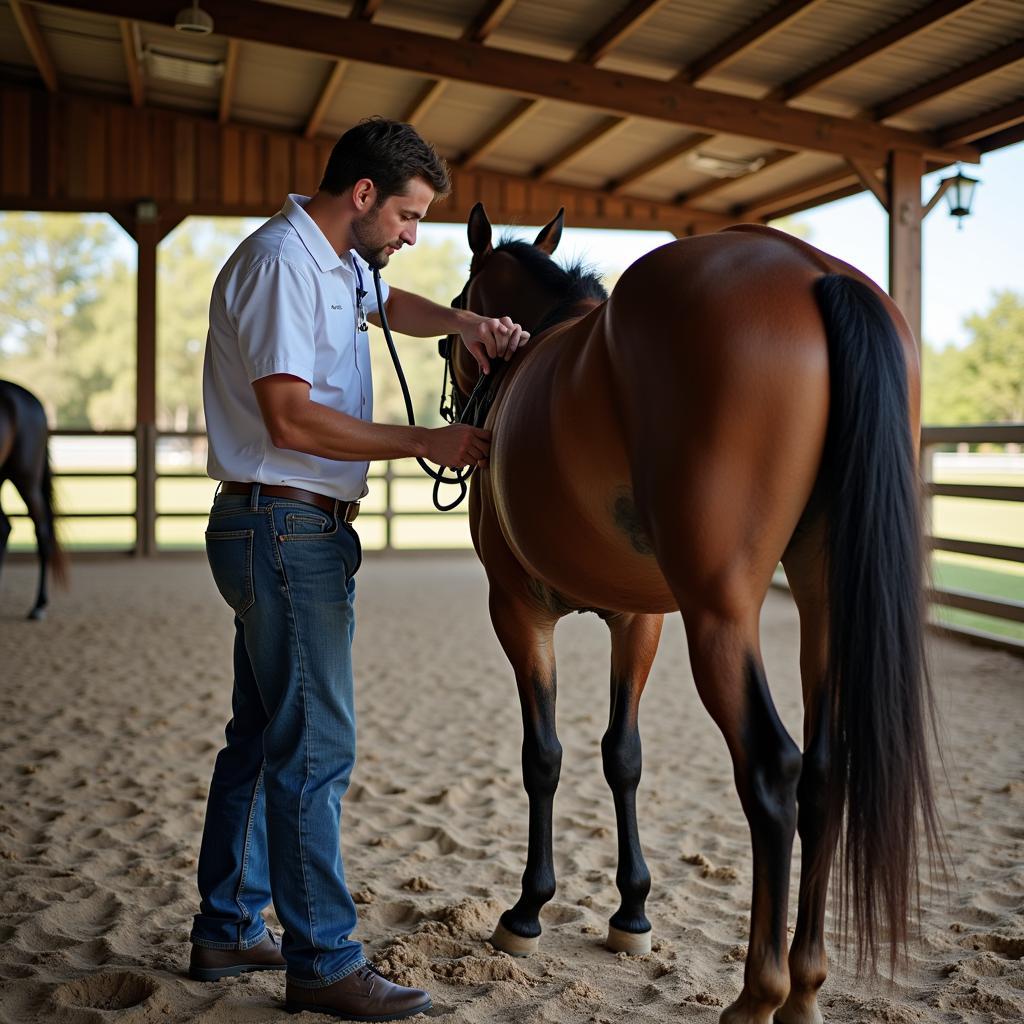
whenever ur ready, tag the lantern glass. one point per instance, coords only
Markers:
(960, 195)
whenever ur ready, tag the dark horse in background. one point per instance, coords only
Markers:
(741, 399)
(24, 461)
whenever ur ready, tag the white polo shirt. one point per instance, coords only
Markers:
(285, 302)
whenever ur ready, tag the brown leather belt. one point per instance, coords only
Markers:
(348, 510)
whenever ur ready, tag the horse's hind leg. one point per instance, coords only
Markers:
(525, 632)
(766, 764)
(37, 510)
(634, 644)
(808, 964)
(5, 533)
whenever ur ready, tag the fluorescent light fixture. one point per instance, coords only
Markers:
(725, 166)
(177, 67)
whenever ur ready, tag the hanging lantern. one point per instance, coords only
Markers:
(960, 195)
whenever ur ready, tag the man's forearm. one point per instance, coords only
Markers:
(317, 430)
(419, 317)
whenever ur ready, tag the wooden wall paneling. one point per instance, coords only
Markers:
(230, 164)
(184, 161)
(76, 142)
(253, 160)
(279, 169)
(14, 136)
(304, 177)
(161, 137)
(120, 162)
(95, 154)
(40, 150)
(207, 162)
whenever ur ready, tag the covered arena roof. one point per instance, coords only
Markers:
(742, 109)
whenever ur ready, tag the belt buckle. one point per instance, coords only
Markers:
(351, 511)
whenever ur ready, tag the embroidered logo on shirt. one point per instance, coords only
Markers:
(337, 307)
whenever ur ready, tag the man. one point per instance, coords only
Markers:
(289, 412)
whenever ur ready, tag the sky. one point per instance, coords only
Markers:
(961, 268)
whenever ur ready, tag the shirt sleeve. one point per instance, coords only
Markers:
(370, 302)
(273, 310)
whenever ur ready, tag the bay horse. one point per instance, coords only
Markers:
(24, 460)
(740, 399)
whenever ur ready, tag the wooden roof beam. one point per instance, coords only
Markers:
(614, 31)
(364, 10)
(927, 17)
(808, 189)
(36, 43)
(603, 130)
(327, 93)
(519, 73)
(488, 20)
(227, 85)
(589, 53)
(747, 37)
(971, 72)
(1008, 116)
(728, 49)
(130, 47)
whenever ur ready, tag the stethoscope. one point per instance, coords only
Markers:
(459, 476)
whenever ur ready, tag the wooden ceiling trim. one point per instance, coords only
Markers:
(227, 85)
(700, 109)
(188, 165)
(36, 43)
(746, 38)
(130, 48)
(870, 180)
(327, 94)
(971, 72)
(925, 18)
(843, 192)
(1008, 116)
(488, 20)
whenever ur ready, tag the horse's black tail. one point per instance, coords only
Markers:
(877, 675)
(59, 557)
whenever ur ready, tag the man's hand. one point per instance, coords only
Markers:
(490, 338)
(458, 445)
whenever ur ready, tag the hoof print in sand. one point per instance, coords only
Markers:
(114, 990)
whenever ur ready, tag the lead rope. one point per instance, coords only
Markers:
(460, 475)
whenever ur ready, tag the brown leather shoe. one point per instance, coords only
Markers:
(213, 964)
(362, 995)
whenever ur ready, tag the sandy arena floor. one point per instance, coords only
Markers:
(112, 711)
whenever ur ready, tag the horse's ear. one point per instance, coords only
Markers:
(479, 230)
(551, 234)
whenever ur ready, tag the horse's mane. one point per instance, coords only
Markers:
(572, 283)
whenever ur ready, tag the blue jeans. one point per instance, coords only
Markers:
(273, 818)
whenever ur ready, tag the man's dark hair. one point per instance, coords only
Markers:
(390, 154)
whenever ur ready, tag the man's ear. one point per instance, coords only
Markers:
(551, 234)
(364, 194)
(479, 231)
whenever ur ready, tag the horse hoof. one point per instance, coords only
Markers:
(37, 615)
(633, 943)
(514, 945)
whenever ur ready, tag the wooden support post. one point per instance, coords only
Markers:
(904, 189)
(147, 235)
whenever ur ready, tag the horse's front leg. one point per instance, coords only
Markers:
(634, 644)
(526, 635)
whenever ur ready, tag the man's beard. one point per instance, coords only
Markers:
(370, 244)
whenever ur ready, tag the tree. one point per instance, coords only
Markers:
(983, 382)
(56, 271)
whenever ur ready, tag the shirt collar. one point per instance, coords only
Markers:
(311, 236)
